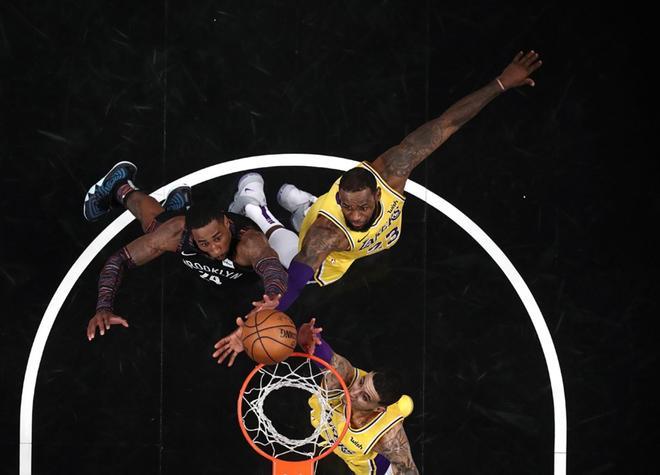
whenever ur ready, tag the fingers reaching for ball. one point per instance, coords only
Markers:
(309, 336)
(230, 346)
(269, 336)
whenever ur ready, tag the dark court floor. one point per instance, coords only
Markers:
(560, 176)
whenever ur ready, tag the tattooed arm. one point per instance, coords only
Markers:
(395, 447)
(144, 249)
(322, 238)
(165, 238)
(309, 339)
(396, 164)
(345, 370)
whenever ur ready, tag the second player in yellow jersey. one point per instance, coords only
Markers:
(356, 448)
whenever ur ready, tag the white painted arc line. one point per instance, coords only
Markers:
(525, 295)
(300, 160)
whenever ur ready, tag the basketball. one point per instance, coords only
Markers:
(269, 336)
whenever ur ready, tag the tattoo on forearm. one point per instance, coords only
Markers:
(396, 448)
(343, 367)
(400, 160)
(466, 108)
(319, 242)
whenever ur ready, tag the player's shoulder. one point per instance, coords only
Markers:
(251, 246)
(391, 181)
(250, 241)
(240, 222)
(327, 234)
(250, 236)
(325, 223)
(404, 405)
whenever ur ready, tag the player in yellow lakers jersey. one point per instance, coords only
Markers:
(361, 213)
(376, 442)
(364, 235)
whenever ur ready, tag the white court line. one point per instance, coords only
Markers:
(292, 160)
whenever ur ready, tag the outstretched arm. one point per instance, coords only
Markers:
(321, 239)
(395, 447)
(396, 164)
(139, 252)
(309, 339)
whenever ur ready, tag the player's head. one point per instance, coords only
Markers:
(359, 198)
(210, 228)
(375, 391)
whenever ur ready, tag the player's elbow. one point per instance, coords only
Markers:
(308, 258)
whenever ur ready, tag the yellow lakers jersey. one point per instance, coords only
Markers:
(356, 448)
(382, 234)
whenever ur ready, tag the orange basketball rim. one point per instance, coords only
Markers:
(298, 467)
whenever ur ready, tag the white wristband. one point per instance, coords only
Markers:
(500, 83)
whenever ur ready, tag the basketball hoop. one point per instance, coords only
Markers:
(334, 412)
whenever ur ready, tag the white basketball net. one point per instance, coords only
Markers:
(308, 377)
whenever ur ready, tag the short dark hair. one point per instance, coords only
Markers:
(387, 384)
(357, 179)
(202, 213)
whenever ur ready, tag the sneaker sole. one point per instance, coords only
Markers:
(92, 188)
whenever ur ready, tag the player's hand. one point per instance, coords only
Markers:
(231, 345)
(103, 320)
(268, 302)
(517, 73)
(309, 336)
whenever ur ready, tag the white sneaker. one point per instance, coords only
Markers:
(296, 201)
(292, 199)
(250, 191)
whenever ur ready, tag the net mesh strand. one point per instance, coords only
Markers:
(304, 376)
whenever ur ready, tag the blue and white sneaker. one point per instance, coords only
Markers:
(250, 191)
(99, 199)
(179, 198)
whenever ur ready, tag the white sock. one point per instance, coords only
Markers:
(282, 240)
(262, 216)
(285, 243)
